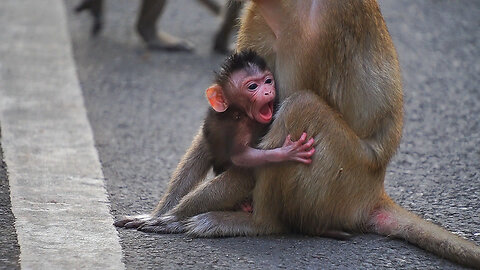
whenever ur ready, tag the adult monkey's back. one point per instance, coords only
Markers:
(341, 54)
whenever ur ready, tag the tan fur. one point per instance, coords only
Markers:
(338, 76)
(353, 107)
(349, 63)
(355, 112)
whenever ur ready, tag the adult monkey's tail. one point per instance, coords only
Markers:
(390, 219)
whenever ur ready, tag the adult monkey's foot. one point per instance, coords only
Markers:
(166, 42)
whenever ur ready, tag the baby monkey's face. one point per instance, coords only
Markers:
(255, 92)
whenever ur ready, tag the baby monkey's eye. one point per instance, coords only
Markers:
(253, 86)
(268, 81)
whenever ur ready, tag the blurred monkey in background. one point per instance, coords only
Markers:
(150, 12)
(229, 23)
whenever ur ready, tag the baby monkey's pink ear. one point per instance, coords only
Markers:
(216, 98)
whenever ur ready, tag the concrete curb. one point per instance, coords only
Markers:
(57, 185)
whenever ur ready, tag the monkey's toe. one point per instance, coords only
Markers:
(130, 221)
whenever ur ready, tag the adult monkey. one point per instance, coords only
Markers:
(150, 12)
(341, 53)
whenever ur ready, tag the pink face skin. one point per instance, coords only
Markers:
(255, 92)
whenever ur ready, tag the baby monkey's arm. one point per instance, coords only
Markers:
(300, 151)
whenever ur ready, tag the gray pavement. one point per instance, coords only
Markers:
(144, 109)
(58, 198)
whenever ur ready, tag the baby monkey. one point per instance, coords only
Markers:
(242, 101)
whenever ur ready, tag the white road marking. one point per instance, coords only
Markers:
(56, 182)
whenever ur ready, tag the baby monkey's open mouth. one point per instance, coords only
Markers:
(266, 111)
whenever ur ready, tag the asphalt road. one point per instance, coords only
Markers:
(144, 109)
(9, 248)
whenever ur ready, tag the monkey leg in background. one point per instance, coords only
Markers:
(95, 7)
(150, 11)
(222, 37)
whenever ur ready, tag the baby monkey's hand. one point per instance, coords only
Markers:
(300, 150)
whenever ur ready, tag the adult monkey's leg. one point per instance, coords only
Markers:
(192, 169)
(150, 12)
(221, 40)
(95, 7)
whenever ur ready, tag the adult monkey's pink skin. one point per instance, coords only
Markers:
(338, 80)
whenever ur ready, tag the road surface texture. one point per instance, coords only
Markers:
(144, 109)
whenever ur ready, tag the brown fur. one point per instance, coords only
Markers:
(339, 81)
